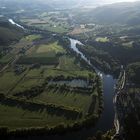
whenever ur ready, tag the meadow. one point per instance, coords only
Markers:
(50, 21)
(43, 53)
(67, 98)
(27, 96)
(23, 43)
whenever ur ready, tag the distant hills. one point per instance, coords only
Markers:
(26, 5)
(122, 13)
(60, 4)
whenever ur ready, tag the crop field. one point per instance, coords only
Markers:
(54, 22)
(102, 39)
(28, 96)
(67, 63)
(43, 53)
(128, 44)
(53, 47)
(8, 79)
(71, 99)
(79, 30)
(54, 28)
(26, 84)
(6, 59)
(32, 37)
(66, 73)
(25, 42)
(47, 24)
(20, 118)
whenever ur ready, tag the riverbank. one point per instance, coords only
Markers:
(106, 121)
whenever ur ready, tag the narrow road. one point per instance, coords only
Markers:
(119, 92)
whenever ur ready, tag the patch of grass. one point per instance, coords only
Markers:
(32, 37)
(52, 61)
(43, 54)
(54, 22)
(23, 42)
(128, 44)
(68, 63)
(20, 118)
(102, 39)
(9, 33)
(38, 60)
(8, 80)
(34, 73)
(32, 79)
(70, 99)
(52, 47)
(73, 73)
(27, 84)
(55, 28)
(6, 59)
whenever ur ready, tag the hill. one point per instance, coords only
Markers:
(9, 32)
(121, 13)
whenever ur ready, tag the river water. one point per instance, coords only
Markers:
(14, 23)
(106, 121)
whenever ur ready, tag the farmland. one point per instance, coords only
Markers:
(51, 21)
(45, 85)
(59, 65)
(43, 53)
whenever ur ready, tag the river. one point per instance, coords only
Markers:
(14, 23)
(106, 120)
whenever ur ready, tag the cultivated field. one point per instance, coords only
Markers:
(45, 85)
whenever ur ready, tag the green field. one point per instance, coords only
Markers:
(8, 80)
(70, 99)
(53, 47)
(6, 59)
(54, 22)
(43, 53)
(20, 118)
(22, 43)
(102, 39)
(68, 63)
(32, 37)
(128, 44)
(54, 28)
(26, 95)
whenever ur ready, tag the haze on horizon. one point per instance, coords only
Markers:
(68, 3)
(94, 1)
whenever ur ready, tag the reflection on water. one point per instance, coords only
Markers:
(14, 23)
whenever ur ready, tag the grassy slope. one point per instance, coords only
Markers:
(9, 33)
(126, 13)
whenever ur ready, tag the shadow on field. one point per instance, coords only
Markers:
(37, 107)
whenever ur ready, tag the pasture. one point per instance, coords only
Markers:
(55, 22)
(8, 80)
(26, 95)
(43, 54)
(66, 98)
(102, 39)
(20, 118)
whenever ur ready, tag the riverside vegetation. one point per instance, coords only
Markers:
(45, 88)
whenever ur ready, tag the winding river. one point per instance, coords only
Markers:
(106, 121)
(14, 23)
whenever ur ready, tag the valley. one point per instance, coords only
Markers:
(69, 73)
